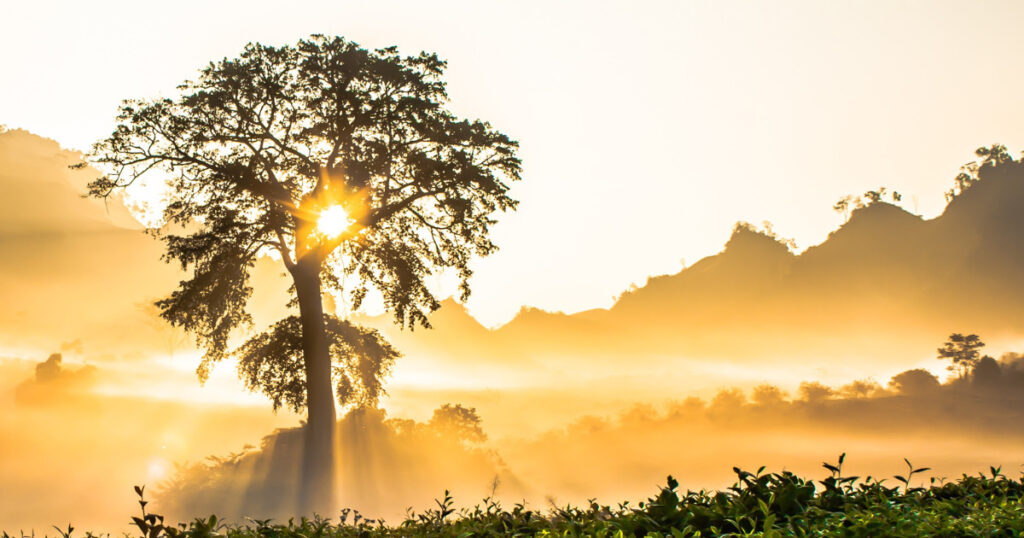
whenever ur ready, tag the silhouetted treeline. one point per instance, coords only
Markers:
(988, 399)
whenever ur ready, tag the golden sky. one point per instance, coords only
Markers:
(647, 129)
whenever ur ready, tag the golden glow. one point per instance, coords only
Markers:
(542, 372)
(333, 221)
(156, 469)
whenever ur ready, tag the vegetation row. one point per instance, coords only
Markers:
(758, 504)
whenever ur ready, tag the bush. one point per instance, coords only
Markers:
(758, 504)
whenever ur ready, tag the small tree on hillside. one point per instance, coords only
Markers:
(845, 205)
(873, 197)
(848, 203)
(993, 155)
(462, 423)
(963, 351)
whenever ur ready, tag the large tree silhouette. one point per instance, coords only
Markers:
(337, 160)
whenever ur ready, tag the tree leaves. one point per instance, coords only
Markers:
(257, 144)
(272, 363)
(962, 350)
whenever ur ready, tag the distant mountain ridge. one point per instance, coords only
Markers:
(72, 270)
(887, 281)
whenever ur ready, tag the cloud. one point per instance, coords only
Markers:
(53, 383)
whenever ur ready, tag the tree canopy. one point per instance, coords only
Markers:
(256, 147)
(962, 350)
(272, 362)
(339, 161)
(993, 155)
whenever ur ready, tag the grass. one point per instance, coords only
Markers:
(758, 504)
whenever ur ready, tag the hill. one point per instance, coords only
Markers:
(886, 284)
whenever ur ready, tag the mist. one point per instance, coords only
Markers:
(758, 355)
(72, 452)
(391, 465)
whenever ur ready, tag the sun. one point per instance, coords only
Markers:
(333, 221)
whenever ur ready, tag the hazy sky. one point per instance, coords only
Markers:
(647, 128)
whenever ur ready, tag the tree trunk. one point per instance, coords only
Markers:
(316, 491)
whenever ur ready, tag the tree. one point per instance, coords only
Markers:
(814, 392)
(458, 422)
(963, 351)
(768, 395)
(338, 161)
(848, 203)
(993, 155)
(986, 373)
(876, 196)
(845, 205)
(914, 382)
(873, 197)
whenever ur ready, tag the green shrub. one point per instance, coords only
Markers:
(758, 504)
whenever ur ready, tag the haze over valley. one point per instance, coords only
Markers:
(756, 346)
(275, 261)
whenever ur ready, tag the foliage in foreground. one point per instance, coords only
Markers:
(758, 504)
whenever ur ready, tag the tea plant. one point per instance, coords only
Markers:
(758, 504)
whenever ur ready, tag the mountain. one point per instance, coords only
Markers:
(73, 271)
(886, 286)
